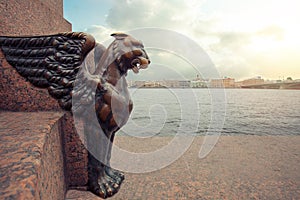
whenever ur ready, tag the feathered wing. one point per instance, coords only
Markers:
(50, 62)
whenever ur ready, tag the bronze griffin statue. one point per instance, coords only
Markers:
(62, 64)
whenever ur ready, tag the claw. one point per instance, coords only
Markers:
(109, 191)
(102, 192)
(116, 186)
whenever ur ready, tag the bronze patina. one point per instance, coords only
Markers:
(59, 63)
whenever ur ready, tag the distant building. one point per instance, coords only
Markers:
(216, 83)
(175, 83)
(185, 84)
(229, 82)
(163, 83)
(222, 83)
(152, 84)
(198, 84)
(253, 81)
(138, 84)
(170, 83)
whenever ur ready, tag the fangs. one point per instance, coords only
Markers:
(136, 68)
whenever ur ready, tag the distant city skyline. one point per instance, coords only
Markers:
(282, 78)
(243, 38)
(226, 82)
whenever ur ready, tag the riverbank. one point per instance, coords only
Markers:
(239, 167)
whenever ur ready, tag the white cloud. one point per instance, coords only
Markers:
(173, 14)
(100, 33)
(241, 37)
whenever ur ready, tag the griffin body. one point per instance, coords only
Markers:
(85, 78)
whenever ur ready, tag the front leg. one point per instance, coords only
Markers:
(117, 175)
(103, 180)
(99, 182)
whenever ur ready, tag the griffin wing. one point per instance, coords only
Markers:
(50, 62)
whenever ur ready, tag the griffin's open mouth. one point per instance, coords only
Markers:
(139, 63)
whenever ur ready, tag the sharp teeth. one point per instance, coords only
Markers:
(135, 69)
(143, 66)
(138, 65)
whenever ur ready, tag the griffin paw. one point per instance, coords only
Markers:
(104, 187)
(116, 175)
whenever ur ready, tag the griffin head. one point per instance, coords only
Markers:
(129, 53)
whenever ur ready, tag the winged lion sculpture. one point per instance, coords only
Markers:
(88, 79)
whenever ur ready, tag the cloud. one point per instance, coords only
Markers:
(100, 33)
(185, 17)
(144, 13)
(248, 54)
(239, 43)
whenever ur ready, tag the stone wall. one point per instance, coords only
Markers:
(76, 154)
(32, 17)
(39, 17)
(32, 165)
(27, 17)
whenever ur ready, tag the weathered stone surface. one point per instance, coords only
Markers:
(30, 141)
(31, 165)
(32, 17)
(76, 154)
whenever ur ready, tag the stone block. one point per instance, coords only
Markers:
(32, 164)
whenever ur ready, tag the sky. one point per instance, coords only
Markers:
(244, 39)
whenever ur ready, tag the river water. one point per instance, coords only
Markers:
(171, 111)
